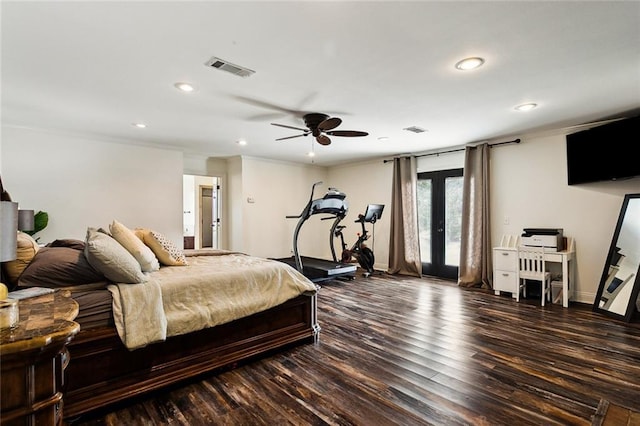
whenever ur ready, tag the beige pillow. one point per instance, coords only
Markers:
(135, 246)
(165, 250)
(108, 256)
(26, 251)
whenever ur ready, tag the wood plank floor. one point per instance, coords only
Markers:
(407, 351)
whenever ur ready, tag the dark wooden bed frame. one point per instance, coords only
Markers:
(102, 371)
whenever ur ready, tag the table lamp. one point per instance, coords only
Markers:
(8, 230)
(26, 220)
(8, 251)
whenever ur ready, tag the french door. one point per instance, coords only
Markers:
(439, 221)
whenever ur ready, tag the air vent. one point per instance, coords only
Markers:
(415, 129)
(223, 65)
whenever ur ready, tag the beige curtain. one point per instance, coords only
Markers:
(404, 245)
(475, 247)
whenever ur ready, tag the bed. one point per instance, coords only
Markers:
(167, 316)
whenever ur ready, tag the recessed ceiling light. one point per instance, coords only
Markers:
(383, 138)
(526, 107)
(241, 142)
(185, 87)
(139, 125)
(311, 154)
(469, 63)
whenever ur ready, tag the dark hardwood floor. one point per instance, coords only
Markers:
(406, 351)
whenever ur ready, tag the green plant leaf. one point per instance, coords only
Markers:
(40, 221)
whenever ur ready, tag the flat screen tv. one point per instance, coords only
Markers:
(607, 152)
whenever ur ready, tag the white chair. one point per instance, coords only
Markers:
(531, 266)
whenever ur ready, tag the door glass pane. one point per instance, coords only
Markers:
(424, 219)
(453, 219)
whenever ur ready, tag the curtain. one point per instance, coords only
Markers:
(475, 247)
(404, 244)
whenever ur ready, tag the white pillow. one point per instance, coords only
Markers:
(106, 255)
(143, 254)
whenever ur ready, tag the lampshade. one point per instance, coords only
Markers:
(8, 230)
(26, 220)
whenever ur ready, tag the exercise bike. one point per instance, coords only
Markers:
(363, 254)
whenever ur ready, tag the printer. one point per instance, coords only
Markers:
(550, 239)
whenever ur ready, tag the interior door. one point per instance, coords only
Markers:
(207, 223)
(439, 221)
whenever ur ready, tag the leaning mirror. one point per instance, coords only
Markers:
(619, 286)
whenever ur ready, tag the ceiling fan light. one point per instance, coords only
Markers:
(469, 63)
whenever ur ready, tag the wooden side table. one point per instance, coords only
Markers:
(32, 360)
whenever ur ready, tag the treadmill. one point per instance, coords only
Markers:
(334, 205)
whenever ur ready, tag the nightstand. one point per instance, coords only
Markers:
(32, 360)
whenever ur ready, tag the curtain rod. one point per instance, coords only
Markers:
(456, 150)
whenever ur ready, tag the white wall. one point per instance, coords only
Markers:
(233, 216)
(82, 182)
(189, 205)
(280, 189)
(446, 161)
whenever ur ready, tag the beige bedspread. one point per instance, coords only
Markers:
(213, 289)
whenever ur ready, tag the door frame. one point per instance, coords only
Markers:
(437, 267)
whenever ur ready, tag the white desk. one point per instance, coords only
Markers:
(567, 259)
(505, 276)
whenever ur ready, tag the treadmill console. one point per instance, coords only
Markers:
(334, 193)
(332, 203)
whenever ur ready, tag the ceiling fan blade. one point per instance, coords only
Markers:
(347, 133)
(265, 105)
(329, 123)
(291, 137)
(290, 127)
(323, 140)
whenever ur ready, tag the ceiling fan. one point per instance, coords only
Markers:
(320, 125)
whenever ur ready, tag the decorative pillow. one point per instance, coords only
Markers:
(166, 251)
(68, 242)
(26, 251)
(106, 255)
(135, 246)
(59, 267)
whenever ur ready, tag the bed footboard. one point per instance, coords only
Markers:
(102, 371)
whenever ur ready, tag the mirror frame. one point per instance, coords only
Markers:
(631, 305)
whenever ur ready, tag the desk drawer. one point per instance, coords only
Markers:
(553, 257)
(505, 260)
(505, 281)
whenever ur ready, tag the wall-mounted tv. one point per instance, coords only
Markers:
(607, 152)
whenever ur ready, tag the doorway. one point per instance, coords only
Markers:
(201, 213)
(439, 196)
(208, 217)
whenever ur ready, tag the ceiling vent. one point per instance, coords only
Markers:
(415, 129)
(223, 65)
